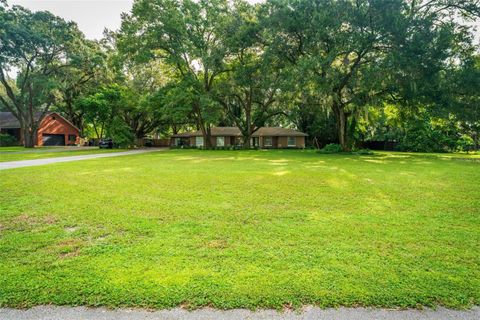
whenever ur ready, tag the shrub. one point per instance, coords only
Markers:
(331, 148)
(425, 136)
(7, 140)
(465, 143)
(363, 152)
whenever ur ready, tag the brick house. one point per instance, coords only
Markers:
(264, 137)
(54, 130)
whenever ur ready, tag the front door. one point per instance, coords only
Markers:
(275, 142)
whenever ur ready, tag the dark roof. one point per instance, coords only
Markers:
(9, 121)
(234, 131)
(278, 131)
(182, 135)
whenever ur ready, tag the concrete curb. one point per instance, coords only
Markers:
(308, 313)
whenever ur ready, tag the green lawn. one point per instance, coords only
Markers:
(21, 153)
(243, 229)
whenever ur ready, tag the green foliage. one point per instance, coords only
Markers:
(332, 68)
(38, 46)
(102, 109)
(86, 71)
(465, 143)
(352, 54)
(250, 92)
(311, 118)
(191, 38)
(7, 140)
(426, 135)
(120, 133)
(331, 148)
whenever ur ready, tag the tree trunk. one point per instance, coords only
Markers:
(476, 141)
(205, 128)
(207, 139)
(248, 121)
(341, 117)
(206, 134)
(246, 141)
(29, 137)
(342, 130)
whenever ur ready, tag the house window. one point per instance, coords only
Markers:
(267, 141)
(220, 141)
(72, 137)
(176, 142)
(291, 142)
(199, 141)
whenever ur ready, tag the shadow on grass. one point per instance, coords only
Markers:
(284, 156)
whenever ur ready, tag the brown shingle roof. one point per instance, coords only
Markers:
(8, 120)
(216, 131)
(234, 131)
(182, 135)
(278, 131)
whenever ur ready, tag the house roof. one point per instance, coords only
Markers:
(278, 131)
(234, 131)
(9, 121)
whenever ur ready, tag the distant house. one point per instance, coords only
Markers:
(54, 130)
(265, 137)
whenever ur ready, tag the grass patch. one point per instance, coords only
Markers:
(21, 153)
(242, 229)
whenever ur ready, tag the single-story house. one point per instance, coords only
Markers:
(54, 130)
(264, 137)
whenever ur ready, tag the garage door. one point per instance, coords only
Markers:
(53, 140)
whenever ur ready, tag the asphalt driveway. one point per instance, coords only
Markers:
(40, 162)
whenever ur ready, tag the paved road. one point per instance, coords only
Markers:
(40, 162)
(82, 313)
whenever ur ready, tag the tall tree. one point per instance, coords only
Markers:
(354, 52)
(103, 108)
(142, 112)
(249, 93)
(461, 96)
(85, 71)
(35, 46)
(188, 35)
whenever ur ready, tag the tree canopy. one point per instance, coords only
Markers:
(343, 71)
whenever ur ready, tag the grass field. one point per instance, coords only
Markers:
(21, 153)
(243, 229)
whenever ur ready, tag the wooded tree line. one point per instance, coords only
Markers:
(343, 71)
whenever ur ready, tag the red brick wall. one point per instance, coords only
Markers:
(54, 124)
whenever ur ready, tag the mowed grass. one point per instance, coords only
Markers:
(21, 153)
(227, 229)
